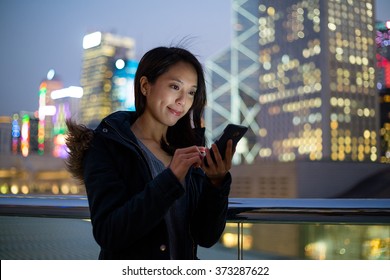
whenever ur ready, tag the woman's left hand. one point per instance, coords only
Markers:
(216, 170)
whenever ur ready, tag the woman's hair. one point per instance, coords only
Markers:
(157, 62)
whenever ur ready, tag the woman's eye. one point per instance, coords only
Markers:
(192, 93)
(176, 87)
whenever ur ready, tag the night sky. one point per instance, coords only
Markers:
(43, 34)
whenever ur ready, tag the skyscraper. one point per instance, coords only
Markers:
(5, 134)
(66, 102)
(101, 51)
(123, 85)
(304, 79)
(233, 82)
(383, 63)
(46, 111)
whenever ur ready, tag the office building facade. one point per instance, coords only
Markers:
(383, 66)
(233, 83)
(123, 85)
(66, 102)
(310, 91)
(5, 135)
(101, 52)
(46, 111)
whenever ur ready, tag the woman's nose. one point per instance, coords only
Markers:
(181, 99)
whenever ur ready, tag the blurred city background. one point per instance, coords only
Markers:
(310, 78)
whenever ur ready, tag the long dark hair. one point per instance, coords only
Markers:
(157, 62)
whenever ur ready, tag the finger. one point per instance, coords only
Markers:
(188, 160)
(182, 162)
(188, 152)
(198, 151)
(185, 154)
(193, 155)
(217, 155)
(229, 152)
(207, 158)
(210, 159)
(202, 151)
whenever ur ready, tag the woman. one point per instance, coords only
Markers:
(150, 194)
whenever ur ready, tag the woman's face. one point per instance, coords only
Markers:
(172, 95)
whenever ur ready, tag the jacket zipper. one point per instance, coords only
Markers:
(189, 228)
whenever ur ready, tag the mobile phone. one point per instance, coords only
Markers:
(231, 131)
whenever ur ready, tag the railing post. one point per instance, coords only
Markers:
(240, 241)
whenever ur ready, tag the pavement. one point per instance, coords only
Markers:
(29, 238)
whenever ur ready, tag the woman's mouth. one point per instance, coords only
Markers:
(174, 112)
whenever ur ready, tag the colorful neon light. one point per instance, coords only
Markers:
(41, 124)
(25, 134)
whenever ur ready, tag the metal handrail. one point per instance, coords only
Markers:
(291, 210)
(240, 211)
(54, 206)
(300, 210)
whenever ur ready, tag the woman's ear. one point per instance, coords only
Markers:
(144, 85)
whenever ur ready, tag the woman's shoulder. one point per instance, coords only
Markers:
(120, 117)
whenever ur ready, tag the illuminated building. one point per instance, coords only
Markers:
(302, 78)
(66, 103)
(23, 134)
(101, 52)
(15, 133)
(225, 102)
(46, 111)
(5, 135)
(385, 125)
(383, 63)
(36, 174)
(123, 85)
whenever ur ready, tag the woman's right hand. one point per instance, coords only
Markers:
(183, 159)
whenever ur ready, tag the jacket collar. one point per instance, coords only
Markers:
(120, 122)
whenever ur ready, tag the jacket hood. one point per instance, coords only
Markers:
(78, 140)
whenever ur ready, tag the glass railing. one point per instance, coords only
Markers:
(58, 227)
(309, 228)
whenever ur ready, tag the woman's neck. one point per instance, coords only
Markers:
(148, 131)
(150, 134)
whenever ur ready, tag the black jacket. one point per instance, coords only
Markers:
(128, 206)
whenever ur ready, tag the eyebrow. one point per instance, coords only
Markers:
(181, 82)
